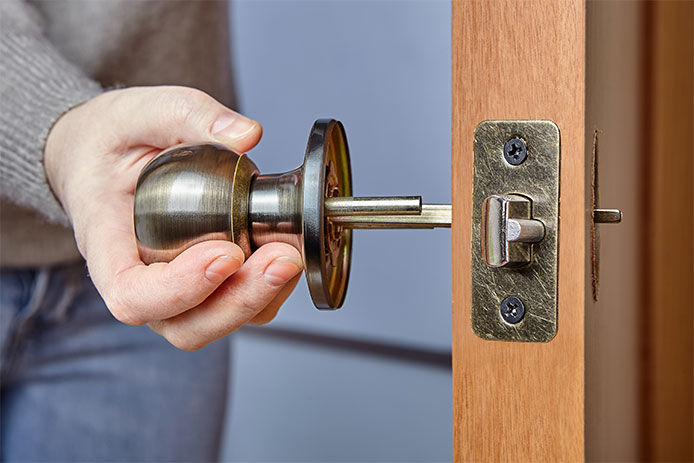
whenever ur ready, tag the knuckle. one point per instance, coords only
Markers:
(181, 340)
(122, 312)
(246, 304)
(188, 346)
(262, 319)
(182, 111)
(187, 104)
(192, 94)
(180, 294)
(269, 313)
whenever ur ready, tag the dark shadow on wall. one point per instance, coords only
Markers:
(391, 351)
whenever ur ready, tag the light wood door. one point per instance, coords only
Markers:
(520, 60)
(615, 384)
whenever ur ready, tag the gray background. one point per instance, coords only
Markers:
(371, 381)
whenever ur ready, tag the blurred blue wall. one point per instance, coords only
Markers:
(371, 381)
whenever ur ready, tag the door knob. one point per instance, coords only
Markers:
(195, 193)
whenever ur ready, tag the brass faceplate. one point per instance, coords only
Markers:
(536, 178)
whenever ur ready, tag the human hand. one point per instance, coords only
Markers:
(93, 157)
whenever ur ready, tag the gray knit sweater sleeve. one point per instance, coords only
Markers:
(37, 86)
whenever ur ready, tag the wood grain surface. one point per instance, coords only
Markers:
(668, 433)
(520, 60)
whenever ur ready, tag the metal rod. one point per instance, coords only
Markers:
(607, 215)
(525, 230)
(431, 216)
(373, 205)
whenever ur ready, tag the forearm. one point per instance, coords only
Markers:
(37, 86)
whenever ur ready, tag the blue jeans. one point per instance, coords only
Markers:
(77, 385)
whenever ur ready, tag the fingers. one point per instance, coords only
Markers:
(168, 115)
(136, 293)
(263, 278)
(143, 293)
(270, 311)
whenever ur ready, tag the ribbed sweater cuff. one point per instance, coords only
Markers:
(37, 87)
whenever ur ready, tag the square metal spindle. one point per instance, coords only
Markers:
(387, 212)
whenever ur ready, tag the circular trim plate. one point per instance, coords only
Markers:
(327, 251)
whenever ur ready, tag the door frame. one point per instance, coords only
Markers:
(520, 60)
(567, 400)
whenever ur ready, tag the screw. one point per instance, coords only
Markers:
(515, 151)
(512, 310)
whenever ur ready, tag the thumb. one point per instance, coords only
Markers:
(168, 115)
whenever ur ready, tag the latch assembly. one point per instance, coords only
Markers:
(195, 193)
(515, 230)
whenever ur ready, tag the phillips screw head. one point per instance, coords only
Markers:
(515, 151)
(512, 310)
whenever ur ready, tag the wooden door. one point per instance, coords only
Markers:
(616, 381)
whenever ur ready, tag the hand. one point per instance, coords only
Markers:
(93, 157)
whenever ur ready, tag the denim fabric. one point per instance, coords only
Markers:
(77, 385)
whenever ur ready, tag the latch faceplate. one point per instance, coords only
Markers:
(515, 160)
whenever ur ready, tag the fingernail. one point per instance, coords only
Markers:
(281, 270)
(220, 268)
(232, 127)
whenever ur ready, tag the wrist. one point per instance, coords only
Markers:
(58, 148)
(51, 157)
